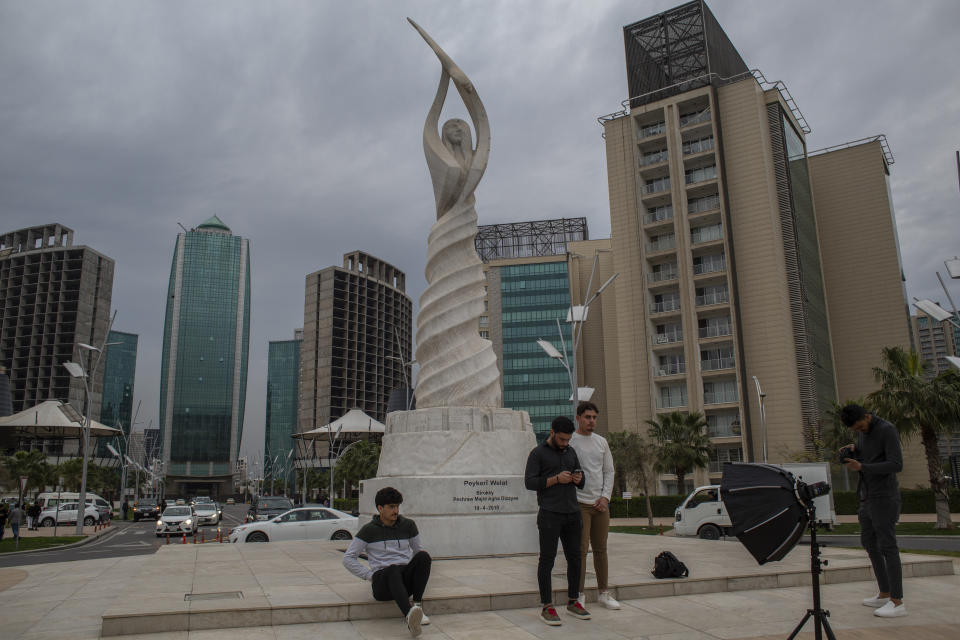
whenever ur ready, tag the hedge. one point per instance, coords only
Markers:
(911, 501)
(845, 502)
(348, 505)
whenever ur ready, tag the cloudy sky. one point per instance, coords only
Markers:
(299, 123)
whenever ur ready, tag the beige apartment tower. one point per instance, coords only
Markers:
(356, 340)
(733, 249)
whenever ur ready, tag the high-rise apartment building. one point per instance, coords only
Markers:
(53, 295)
(206, 338)
(528, 290)
(356, 349)
(935, 341)
(728, 275)
(119, 374)
(283, 403)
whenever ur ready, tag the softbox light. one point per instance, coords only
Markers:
(767, 516)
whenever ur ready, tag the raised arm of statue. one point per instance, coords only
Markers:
(455, 166)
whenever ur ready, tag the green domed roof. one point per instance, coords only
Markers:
(213, 222)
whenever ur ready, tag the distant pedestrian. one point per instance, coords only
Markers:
(125, 508)
(33, 513)
(16, 518)
(4, 510)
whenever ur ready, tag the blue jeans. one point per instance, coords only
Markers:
(15, 527)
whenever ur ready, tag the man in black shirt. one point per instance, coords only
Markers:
(877, 458)
(553, 471)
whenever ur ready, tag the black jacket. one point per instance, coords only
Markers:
(544, 462)
(878, 451)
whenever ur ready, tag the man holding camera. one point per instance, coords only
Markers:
(877, 458)
(553, 471)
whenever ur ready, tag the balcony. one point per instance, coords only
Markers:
(661, 244)
(700, 205)
(663, 275)
(706, 234)
(717, 364)
(695, 118)
(698, 145)
(656, 157)
(651, 130)
(660, 214)
(670, 337)
(672, 304)
(693, 176)
(716, 330)
(673, 401)
(660, 185)
(723, 426)
(710, 264)
(670, 369)
(714, 297)
(719, 397)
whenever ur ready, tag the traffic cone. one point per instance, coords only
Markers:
(203, 536)
(184, 538)
(168, 538)
(661, 530)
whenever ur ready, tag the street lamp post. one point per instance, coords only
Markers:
(576, 316)
(761, 396)
(78, 371)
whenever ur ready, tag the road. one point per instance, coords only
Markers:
(933, 543)
(130, 539)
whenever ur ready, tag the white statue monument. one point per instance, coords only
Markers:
(459, 457)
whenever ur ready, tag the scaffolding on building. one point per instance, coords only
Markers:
(529, 239)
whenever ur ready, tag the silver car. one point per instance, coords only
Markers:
(207, 513)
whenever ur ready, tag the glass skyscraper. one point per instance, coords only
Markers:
(283, 397)
(119, 372)
(204, 362)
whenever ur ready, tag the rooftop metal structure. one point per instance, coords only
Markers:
(882, 139)
(529, 239)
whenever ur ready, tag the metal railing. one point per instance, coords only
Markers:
(672, 402)
(695, 118)
(656, 186)
(652, 130)
(700, 175)
(717, 364)
(671, 369)
(717, 397)
(715, 264)
(658, 216)
(699, 205)
(667, 305)
(697, 146)
(653, 158)
(661, 276)
(668, 242)
(716, 330)
(706, 234)
(669, 337)
(719, 297)
(726, 430)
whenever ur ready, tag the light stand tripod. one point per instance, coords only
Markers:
(819, 614)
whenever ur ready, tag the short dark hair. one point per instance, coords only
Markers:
(586, 405)
(562, 424)
(851, 414)
(388, 495)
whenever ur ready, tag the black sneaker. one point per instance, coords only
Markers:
(577, 611)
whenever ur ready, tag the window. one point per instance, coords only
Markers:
(699, 175)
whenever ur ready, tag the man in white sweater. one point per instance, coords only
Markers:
(594, 498)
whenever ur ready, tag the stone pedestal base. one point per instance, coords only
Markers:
(460, 470)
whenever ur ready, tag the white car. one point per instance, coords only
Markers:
(177, 520)
(67, 513)
(207, 513)
(304, 523)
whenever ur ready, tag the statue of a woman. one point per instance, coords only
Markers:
(458, 368)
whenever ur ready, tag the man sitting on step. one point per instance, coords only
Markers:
(398, 566)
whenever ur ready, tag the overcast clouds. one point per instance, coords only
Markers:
(299, 124)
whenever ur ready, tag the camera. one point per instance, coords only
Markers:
(846, 452)
(807, 492)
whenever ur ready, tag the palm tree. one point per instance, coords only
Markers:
(682, 443)
(32, 464)
(916, 405)
(633, 458)
(359, 463)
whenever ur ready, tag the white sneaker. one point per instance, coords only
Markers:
(424, 621)
(607, 600)
(875, 602)
(891, 610)
(414, 618)
(582, 599)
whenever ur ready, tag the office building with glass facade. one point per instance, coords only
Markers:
(283, 398)
(733, 251)
(203, 380)
(528, 290)
(119, 374)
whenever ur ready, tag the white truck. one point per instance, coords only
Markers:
(703, 513)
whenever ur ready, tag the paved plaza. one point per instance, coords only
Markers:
(299, 589)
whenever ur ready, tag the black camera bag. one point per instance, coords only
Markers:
(667, 565)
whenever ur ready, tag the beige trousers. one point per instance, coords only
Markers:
(596, 526)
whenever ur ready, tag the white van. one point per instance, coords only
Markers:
(49, 499)
(703, 513)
